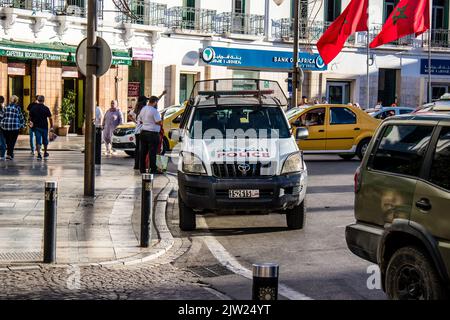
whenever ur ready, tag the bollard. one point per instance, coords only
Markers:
(146, 208)
(265, 281)
(98, 145)
(50, 207)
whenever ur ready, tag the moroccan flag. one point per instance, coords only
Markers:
(409, 16)
(353, 19)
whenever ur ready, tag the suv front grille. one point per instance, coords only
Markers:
(236, 170)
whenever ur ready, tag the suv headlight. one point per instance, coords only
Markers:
(293, 163)
(192, 164)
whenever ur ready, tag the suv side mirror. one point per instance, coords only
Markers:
(302, 134)
(175, 135)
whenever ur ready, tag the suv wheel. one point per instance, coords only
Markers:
(186, 215)
(410, 275)
(362, 148)
(295, 217)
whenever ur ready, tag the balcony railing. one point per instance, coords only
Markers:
(440, 38)
(145, 13)
(283, 29)
(238, 23)
(191, 19)
(77, 8)
(34, 5)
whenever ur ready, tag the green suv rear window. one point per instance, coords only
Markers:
(402, 149)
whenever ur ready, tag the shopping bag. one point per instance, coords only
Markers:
(52, 136)
(162, 162)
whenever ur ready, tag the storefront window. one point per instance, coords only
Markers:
(338, 92)
(244, 74)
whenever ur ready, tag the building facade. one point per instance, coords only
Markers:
(161, 46)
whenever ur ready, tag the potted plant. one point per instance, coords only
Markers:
(67, 112)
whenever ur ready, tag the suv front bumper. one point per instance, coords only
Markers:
(277, 193)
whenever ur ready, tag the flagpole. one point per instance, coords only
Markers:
(368, 60)
(430, 89)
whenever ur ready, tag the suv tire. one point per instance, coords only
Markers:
(186, 215)
(295, 217)
(362, 148)
(411, 275)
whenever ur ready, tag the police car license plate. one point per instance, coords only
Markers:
(243, 194)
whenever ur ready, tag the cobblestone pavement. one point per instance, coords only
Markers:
(149, 282)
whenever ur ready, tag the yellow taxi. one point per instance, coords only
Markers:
(123, 136)
(335, 129)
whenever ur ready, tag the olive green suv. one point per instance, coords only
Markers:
(402, 206)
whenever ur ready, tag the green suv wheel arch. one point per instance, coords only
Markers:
(402, 233)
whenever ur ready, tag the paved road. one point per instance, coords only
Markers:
(314, 262)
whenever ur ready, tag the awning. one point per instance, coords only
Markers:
(52, 51)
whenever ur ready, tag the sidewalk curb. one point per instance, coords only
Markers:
(165, 243)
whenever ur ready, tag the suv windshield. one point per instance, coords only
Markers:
(239, 122)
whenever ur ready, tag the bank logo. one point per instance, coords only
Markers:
(208, 55)
(319, 62)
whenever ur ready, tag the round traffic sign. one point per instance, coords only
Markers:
(104, 57)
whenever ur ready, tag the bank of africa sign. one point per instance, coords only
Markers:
(261, 59)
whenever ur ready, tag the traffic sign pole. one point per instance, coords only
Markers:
(91, 70)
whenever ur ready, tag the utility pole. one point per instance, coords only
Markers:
(295, 70)
(430, 62)
(91, 68)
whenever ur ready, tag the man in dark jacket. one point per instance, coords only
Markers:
(39, 114)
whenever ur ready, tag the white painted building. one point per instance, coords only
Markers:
(159, 47)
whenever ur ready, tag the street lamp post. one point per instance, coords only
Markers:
(295, 71)
(91, 69)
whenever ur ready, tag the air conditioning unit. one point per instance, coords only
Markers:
(73, 11)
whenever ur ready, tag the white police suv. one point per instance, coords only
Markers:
(238, 154)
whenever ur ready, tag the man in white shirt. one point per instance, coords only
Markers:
(151, 122)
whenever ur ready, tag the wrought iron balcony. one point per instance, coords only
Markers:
(77, 8)
(146, 13)
(191, 19)
(440, 38)
(34, 5)
(283, 29)
(238, 23)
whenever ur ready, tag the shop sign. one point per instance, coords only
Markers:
(69, 72)
(260, 59)
(134, 89)
(439, 67)
(32, 55)
(16, 69)
(121, 61)
(142, 54)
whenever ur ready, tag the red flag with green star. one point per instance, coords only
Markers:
(353, 19)
(408, 17)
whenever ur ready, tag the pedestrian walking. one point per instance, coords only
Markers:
(40, 116)
(112, 119)
(11, 123)
(142, 102)
(30, 126)
(2, 137)
(151, 122)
